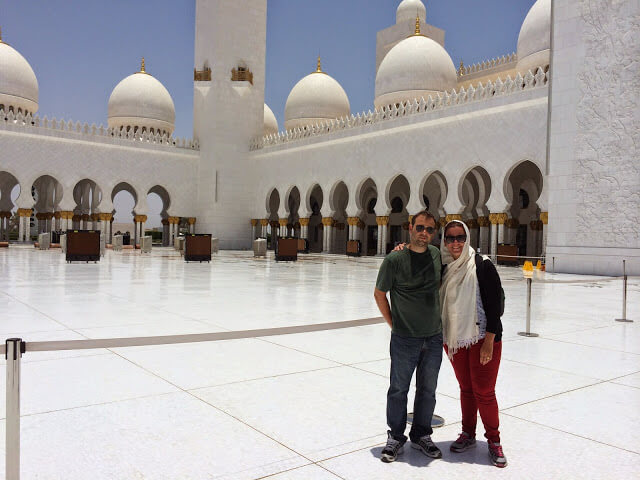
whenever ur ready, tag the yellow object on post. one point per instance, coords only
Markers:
(539, 265)
(527, 269)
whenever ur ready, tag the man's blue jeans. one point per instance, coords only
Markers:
(409, 354)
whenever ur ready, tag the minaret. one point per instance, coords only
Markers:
(228, 110)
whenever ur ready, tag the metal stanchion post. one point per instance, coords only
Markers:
(14, 350)
(528, 332)
(624, 295)
(554, 264)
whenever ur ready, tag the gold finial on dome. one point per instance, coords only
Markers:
(142, 70)
(417, 23)
(319, 66)
(1, 35)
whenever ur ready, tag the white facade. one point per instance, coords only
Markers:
(473, 147)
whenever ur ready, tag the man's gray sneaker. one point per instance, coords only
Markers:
(464, 442)
(427, 446)
(391, 451)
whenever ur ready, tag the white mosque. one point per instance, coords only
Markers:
(536, 149)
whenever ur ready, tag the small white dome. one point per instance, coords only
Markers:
(408, 9)
(270, 122)
(534, 41)
(316, 98)
(416, 67)
(18, 83)
(141, 101)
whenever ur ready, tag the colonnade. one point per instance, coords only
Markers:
(67, 220)
(486, 232)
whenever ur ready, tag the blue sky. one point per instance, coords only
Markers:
(80, 49)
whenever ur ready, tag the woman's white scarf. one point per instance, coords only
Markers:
(458, 297)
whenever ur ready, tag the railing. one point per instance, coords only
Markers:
(419, 106)
(14, 348)
(84, 131)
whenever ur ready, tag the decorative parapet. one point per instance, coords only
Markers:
(443, 101)
(241, 74)
(68, 129)
(501, 63)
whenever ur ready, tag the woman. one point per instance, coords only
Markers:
(470, 303)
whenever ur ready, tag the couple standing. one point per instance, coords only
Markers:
(458, 306)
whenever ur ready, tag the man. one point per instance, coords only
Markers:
(412, 276)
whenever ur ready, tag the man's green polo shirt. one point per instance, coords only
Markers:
(414, 281)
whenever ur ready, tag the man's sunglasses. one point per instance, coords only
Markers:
(422, 228)
(455, 238)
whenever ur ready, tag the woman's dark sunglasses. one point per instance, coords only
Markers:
(422, 228)
(455, 238)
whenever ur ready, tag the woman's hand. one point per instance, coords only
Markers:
(400, 246)
(486, 351)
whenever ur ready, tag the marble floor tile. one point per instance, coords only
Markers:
(533, 452)
(621, 337)
(332, 416)
(165, 437)
(206, 364)
(606, 413)
(74, 382)
(575, 359)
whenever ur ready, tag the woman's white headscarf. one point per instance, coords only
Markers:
(458, 297)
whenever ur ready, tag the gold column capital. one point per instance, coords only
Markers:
(192, 220)
(453, 216)
(498, 218)
(327, 221)
(483, 221)
(442, 222)
(264, 222)
(471, 223)
(544, 216)
(512, 223)
(353, 221)
(174, 220)
(24, 212)
(410, 218)
(283, 222)
(383, 221)
(254, 222)
(139, 218)
(304, 222)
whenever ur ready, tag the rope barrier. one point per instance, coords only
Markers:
(50, 346)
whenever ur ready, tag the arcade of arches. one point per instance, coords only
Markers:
(321, 217)
(84, 207)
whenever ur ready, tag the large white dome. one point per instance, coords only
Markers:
(316, 98)
(408, 9)
(270, 122)
(141, 101)
(416, 67)
(534, 41)
(18, 83)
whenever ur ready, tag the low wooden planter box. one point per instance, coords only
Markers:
(83, 246)
(197, 247)
(354, 248)
(287, 250)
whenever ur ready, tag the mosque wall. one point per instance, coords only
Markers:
(496, 134)
(29, 152)
(594, 172)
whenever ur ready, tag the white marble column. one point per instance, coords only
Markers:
(494, 241)
(544, 216)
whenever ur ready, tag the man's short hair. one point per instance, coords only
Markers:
(423, 213)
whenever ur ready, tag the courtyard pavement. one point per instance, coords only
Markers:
(306, 406)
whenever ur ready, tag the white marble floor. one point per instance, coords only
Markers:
(303, 406)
